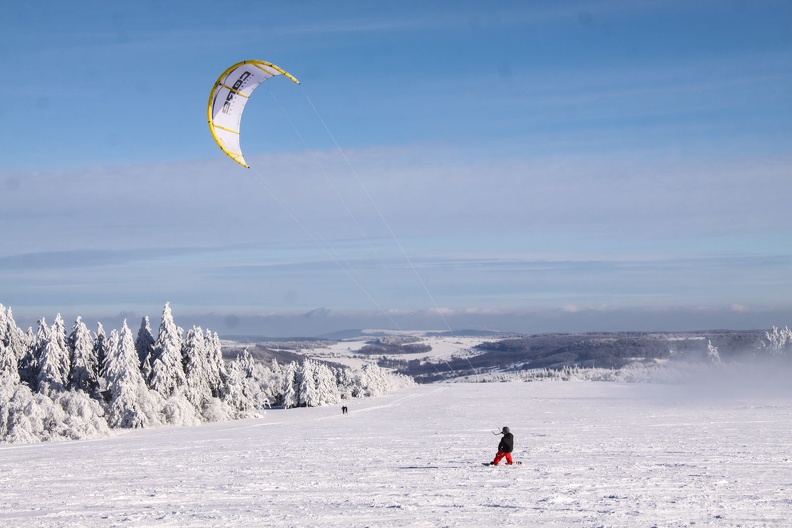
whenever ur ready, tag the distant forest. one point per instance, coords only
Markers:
(595, 350)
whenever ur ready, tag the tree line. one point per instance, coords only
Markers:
(58, 384)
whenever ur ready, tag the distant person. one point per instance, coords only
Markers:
(505, 448)
(344, 409)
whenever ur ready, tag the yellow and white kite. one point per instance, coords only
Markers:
(229, 97)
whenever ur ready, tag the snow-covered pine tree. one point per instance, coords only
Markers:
(100, 350)
(374, 382)
(59, 333)
(712, 353)
(247, 364)
(271, 379)
(289, 391)
(167, 372)
(275, 368)
(84, 374)
(195, 362)
(307, 395)
(53, 372)
(14, 338)
(9, 369)
(216, 389)
(779, 341)
(215, 365)
(29, 363)
(326, 387)
(144, 345)
(345, 381)
(9, 366)
(234, 389)
(255, 383)
(3, 325)
(131, 403)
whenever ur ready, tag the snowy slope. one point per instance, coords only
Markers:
(594, 454)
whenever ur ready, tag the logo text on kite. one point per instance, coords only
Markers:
(232, 93)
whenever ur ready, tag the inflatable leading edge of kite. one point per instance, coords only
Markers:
(229, 97)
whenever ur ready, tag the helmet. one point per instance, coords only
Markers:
(505, 430)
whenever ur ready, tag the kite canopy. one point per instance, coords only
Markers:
(229, 96)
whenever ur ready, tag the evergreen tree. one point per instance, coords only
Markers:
(276, 368)
(712, 353)
(53, 372)
(215, 365)
(9, 369)
(195, 362)
(373, 381)
(254, 378)
(59, 334)
(345, 381)
(307, 394)
(167, 372)
(100, 351)
(247, 364)
(29, 363)
(272, 380)
(3, 325)
(30, 339)
(326, 387)
(9, 365)
(779, 341)
(144, 345)
(129, 396)
(234, 391)
(14, 338)
(84, 374)
(289, 391)
(42, 336)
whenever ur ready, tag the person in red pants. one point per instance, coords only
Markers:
(505, 448)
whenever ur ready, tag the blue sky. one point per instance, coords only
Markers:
(521, 166)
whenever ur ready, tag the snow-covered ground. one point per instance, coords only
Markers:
(443, 348)
(594, 454)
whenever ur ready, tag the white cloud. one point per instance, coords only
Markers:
(516, 234)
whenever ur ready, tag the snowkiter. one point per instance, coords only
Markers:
(505, 448)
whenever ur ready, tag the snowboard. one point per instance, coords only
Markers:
(516, 463)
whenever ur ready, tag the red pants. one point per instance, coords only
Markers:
(499, 456)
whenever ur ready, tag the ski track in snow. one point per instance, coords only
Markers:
(594, 454)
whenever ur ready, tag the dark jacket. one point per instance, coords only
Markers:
(507, 443)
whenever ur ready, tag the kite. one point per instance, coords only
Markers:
(229, 96)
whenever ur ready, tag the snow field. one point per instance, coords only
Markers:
(594, 454)
(444, 348)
